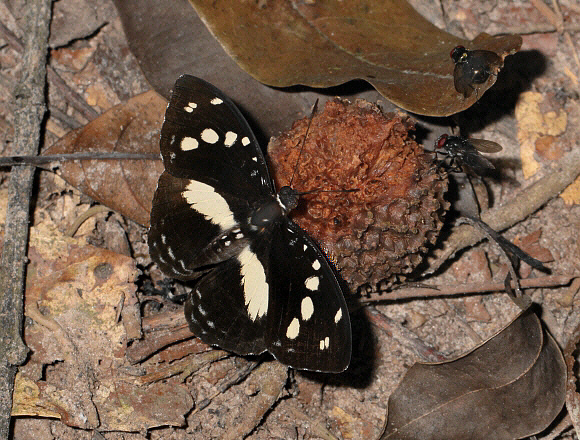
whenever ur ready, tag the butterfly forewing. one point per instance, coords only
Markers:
(310, 325)
(191, 224)
(204, 136)
(215, 174)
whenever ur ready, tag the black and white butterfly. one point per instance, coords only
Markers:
(265, 285)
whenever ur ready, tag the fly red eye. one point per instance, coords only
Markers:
(441, 141)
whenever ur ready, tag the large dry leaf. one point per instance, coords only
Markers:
(168, 39)
(572, 395)
(511, 386)
(75, 371)
(126, 186)
(321, 44)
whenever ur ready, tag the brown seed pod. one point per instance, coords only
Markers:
(379, 232)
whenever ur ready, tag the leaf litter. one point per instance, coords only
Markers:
(359, 404)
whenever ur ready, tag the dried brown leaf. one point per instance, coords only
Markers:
(78, 347)
(168, 39)
(511, 386)
(321, 44)
(126, 186)
(127, 407)
(572, 395)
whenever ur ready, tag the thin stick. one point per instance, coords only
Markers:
(462, 289)
(30, 107)
(71, 231)
(49, 158)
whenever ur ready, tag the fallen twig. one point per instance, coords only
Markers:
(459, 289)
(30, 107)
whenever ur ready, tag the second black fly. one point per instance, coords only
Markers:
(464, 151)
(473, 67)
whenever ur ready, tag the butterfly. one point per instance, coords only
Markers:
(262, 283)
(473, 67)
(464, 151)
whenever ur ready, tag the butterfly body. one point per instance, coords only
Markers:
(262, 283)
(473, 67)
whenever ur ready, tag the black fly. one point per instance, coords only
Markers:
(473, 67)
(463, 151)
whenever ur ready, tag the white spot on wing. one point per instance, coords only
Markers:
(324, 343)
(230, 138)
(188, 143)
(205, 200)
(189, 107)
(201, 310)
(254, 283)
(311, 283)
(245, 141)
(338, 316)
(306, 308)
(210, 136)
(293, 329)
(170, 252)
(216, 101)
(316, 265)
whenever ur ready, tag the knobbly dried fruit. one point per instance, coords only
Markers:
(378, 232)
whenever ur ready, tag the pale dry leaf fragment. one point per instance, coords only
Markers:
(127, 407)
(27, 400)
(571, 195)
(533, 124)
(72, 294)
(350, 427)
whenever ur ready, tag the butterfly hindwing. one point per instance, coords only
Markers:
(229, 306)
(310, 325)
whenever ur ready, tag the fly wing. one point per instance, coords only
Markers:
(486, 146)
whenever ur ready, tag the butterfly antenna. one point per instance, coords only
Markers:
(314, 108)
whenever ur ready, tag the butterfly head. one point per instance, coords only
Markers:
(288, 198)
